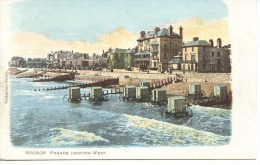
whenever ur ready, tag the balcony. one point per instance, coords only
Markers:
(142, 59)
(155, 58)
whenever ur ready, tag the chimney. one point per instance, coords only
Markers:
(72, 52)
(181, 30)
(103, 51)
(156, 29)
(211, 43)
(195, 38)
(170, 30)
(142, 33)
(219, 43)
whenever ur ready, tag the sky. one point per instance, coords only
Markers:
(87, 19)
(40, 26)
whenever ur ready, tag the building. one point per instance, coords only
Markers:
(120, 58)
(36, 63)
(175, 63)
(115, 58)
(17, 62)
(195, 55)
(129, 58)
(202, 56)
(68, 60)
(156, 48)
(219, 57)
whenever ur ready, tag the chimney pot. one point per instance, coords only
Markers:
(156, 29)
(195, 38)
(142, 33)
(181, 30)
(170, 29)
(211, 43)
(219, 43)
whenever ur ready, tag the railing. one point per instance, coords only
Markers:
(143, 59)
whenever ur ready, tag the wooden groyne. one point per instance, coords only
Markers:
(103, 83)
(34, 75)
(70, 76)
(161, 83)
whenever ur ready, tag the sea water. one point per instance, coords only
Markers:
(44, 119)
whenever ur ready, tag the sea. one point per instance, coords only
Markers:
(43, 119)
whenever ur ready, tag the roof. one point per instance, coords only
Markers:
(175, 61)
(142, 53)
(196, 43)
(162, 33)
(149, 34)
(154, 43)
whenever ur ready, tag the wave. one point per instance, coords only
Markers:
(64, 137)
(49, 97)
(162, 133)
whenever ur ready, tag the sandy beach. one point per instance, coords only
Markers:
(134, 77)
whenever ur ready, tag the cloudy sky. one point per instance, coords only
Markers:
(40, 26)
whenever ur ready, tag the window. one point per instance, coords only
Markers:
(204, 65)
(212, 54)
(193, 58)
(185, 49)
(218, 54)
(192, 48)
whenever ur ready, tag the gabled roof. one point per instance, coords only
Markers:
(196, 43)
(162, 33)
(149, 34)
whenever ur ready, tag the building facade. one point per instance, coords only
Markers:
(195, 55)
(175, 63)
(219, 57)
(202, 56)
(156, 48)
(36, 62)
(74, 60)
(115, 58)
(120, 58)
